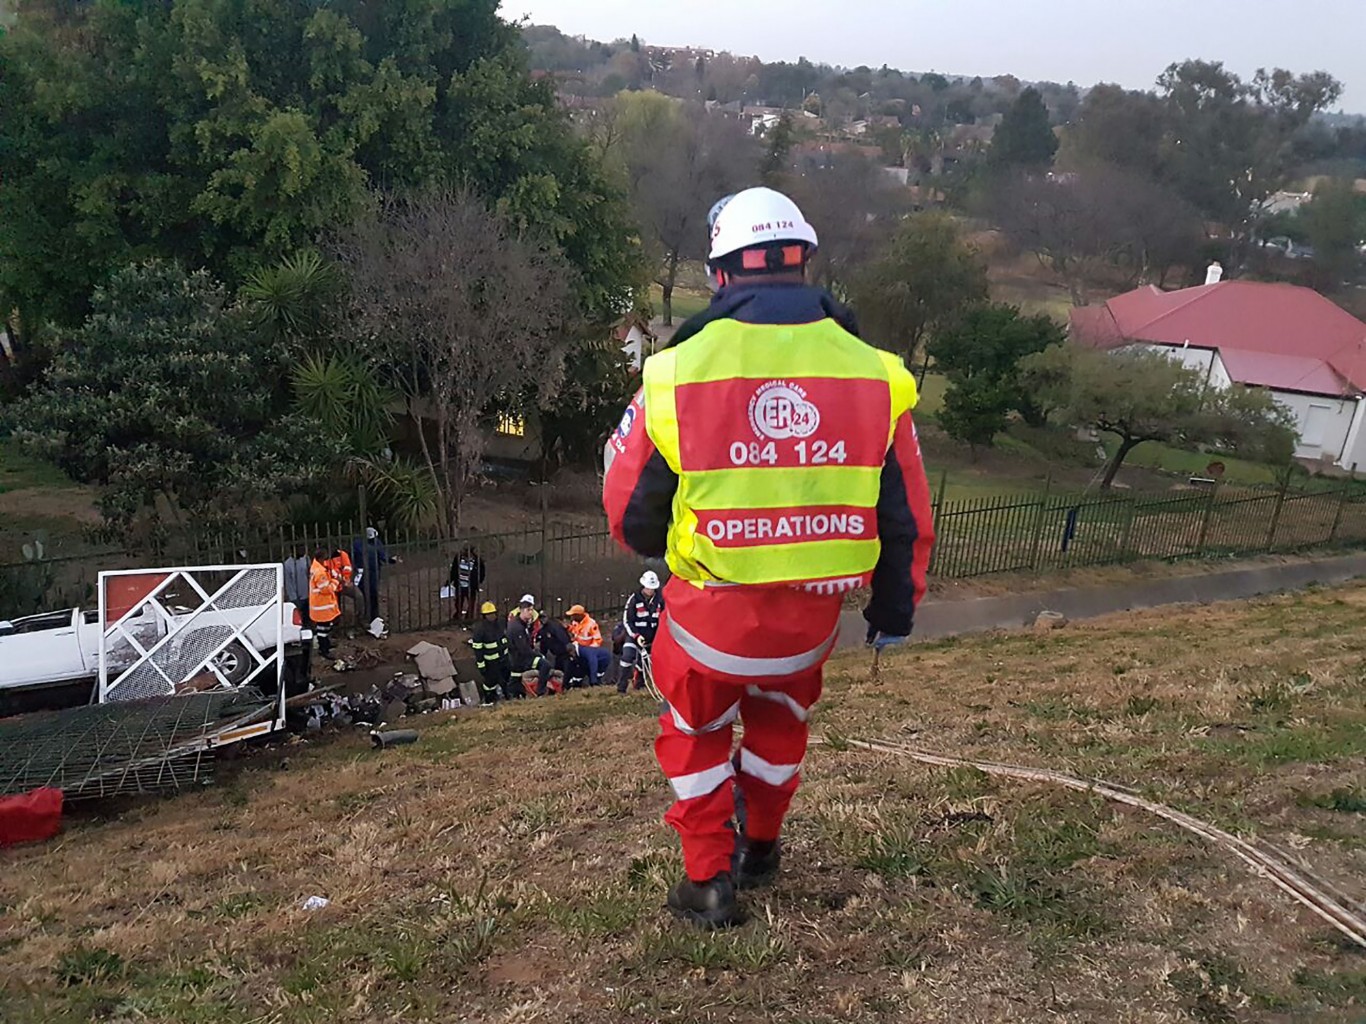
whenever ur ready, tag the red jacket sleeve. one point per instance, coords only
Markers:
(638, 486)
(906, 529)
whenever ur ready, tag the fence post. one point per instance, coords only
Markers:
(1276, 513)
(1337, 513)
(1204, 523)
(1130, 503)
(1039, 520)
(545, 539)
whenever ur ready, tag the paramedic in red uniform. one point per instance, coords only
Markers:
(771, 458)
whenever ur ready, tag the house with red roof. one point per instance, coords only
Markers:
(1308, 351)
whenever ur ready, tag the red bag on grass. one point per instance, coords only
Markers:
(30, 817)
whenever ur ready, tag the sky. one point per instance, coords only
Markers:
(1084, 41)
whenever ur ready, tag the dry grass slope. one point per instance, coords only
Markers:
(510, 867)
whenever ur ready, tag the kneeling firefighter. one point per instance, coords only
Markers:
(771, 458)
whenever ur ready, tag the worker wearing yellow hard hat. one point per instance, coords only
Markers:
(492, 656)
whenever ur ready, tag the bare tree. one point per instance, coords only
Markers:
(468, 316)
(679, 160)
(1102, 216)
(855, 207)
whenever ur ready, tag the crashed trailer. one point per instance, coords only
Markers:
(190, 660)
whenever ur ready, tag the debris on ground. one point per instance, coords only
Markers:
(393, 738)
(1049, 621)
(31, 817)
(315, 903)
(436, 668)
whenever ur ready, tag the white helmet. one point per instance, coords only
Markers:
(758, 216)
(650, 581)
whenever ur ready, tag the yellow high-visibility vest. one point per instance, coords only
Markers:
(778, 436)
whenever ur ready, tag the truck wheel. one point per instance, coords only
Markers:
(235, 663)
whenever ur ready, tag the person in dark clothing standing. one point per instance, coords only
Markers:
(467, 576)
(522, 636)
(640, 620)
(368, 553)
(492, 655)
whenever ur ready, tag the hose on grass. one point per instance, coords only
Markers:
(1343, 913)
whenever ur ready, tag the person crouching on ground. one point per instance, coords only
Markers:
(587, 637)
(558, 647)
(523, 633)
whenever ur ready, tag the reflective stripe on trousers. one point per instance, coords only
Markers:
(774, 774)
(689, 787)
(749, 668)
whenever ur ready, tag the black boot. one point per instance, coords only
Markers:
(707, 904)
(756, 863)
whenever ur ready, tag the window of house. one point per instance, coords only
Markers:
(511, 426)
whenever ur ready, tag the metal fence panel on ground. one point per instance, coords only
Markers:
(562, 564)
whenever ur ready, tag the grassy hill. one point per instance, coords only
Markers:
(510, 866)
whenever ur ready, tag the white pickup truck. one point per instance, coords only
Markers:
(52, 660)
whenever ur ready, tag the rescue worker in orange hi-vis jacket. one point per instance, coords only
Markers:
(771, 459)
(323, 608)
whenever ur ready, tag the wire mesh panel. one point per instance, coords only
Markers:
(169, 631)
(109, 749)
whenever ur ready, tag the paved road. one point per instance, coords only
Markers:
(941, 618)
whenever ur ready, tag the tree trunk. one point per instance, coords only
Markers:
(667, 286)
(1126, 445)
(441, 498)
(1077, 291)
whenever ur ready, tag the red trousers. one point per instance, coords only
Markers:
(727, 653)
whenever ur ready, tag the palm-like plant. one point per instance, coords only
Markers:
(341, 391)
(294, 299)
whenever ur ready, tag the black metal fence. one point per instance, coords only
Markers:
(1049, 531)
(562, 565)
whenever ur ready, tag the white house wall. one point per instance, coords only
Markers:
(1200, 360)
(1329, 419)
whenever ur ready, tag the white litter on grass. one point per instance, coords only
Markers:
(315, 903)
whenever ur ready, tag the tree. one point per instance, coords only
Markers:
(679, 160)
(471, 316)
(1119, 128)
(923, 281)
(161, 400)
(1228, 144)
(981, 354)
(1139, 395)
(1098, 217)
(1334, 223)
(975, 410)
(855, 208)
(231, 133)
(294, 300)
(777, 152)
(1025, 137)
(598, 384)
